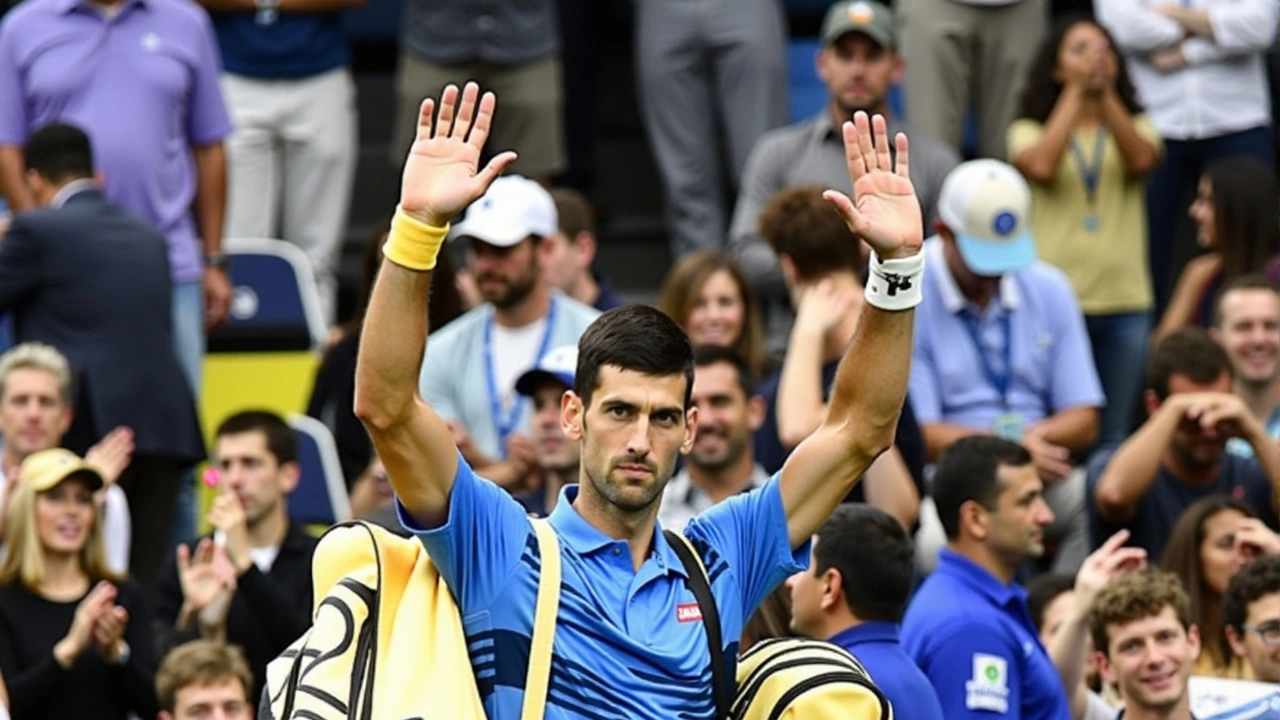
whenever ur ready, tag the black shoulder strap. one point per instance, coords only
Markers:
(701, 590)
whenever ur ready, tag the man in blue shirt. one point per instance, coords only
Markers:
(853, 595)
(968, 627)
(628, 637)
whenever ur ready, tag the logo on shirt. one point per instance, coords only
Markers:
(688, 612)
(988, 689)
(151, 42)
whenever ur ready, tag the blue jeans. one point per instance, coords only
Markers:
(1119, 344)
(188, 343)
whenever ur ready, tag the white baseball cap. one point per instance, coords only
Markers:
(558, 365)
(987, 204)
(512, 209)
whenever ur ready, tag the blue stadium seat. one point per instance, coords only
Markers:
(374, 22)
(6, 332)
(275, 306)
(806, 90)
(321, 495)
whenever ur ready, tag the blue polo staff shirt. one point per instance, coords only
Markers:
(626, 644)
(876, 646)
(974, 640)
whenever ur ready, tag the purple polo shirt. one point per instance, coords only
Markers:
(144, 85)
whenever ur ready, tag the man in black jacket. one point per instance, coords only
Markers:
(86, 277)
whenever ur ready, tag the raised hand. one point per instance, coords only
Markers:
(823, 306)
(199, 575)
(886, 213)
(1253, 539)
(1104, 564)
(227, 515)
(441, 174)
(112, 454)
(108, 633)
(80, 635)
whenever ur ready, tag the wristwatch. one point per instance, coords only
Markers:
(221, 261)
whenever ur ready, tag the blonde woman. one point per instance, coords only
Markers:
(708, 296)
(75, 640)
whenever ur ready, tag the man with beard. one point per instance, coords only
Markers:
(722, 463)
(1146, 644)
(1246, 322)
(1177, 456)
(469, 374)
(556, 457)
(859, 63)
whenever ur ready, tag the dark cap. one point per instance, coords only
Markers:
(868, 17)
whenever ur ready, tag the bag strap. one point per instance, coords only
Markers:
(701, 588)
(544, 622)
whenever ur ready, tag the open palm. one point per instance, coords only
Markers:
(887, 213)
(441, 174)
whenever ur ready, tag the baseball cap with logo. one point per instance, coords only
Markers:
(868, 17)
(559, 366)
(45, 469)
(986, 204)
(512, 209)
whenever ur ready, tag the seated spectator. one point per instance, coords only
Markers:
(35, 412)
(203, 679)
(770, 620)
(708, 296)
(1251, 616)
(967, 627)
(1084, 145)
(556, 457)
(372, 497)
(1177, 456)
(1001, 347)
(269, 555)
(854, 593)
(1246, 323)
(1213, 539)
(572, 250)
(1235, 213)
(75, 640)
(1147, 643)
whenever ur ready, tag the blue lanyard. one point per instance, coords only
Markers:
(1000, 381)
(1091, 172)
(506, 422)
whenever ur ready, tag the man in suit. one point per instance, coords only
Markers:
(86, 277)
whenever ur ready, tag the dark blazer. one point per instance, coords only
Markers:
(93, 281)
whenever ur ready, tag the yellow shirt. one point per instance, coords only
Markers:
(1107, 266)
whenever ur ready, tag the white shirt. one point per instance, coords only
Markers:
(1098, 709)
(682, 500)
(1223, 88)
(515, 350)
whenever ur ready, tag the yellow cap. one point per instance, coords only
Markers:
(45, 469)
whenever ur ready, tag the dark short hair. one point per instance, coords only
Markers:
(574, 212)
(1042, 590)
(967, 471)
(282, 441)
(1251, 281)
(874, 556)
(1261, 577)
(708, 355)
(800, 224)
(1189, 352)
(60, 153)
(638, 338)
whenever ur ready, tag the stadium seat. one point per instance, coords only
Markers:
(275, 306)
(321, 495)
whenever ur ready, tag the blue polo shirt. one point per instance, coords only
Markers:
(974, 640)
(625, 645)
(876, 646)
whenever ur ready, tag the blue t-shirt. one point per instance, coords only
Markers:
(296, 45)
(623, 647)
(876, 646)
(974, 640)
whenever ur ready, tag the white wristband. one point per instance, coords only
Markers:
(895, 284)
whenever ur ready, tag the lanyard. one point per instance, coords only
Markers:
(1091, 172)
(1000, 380)
(506, 422)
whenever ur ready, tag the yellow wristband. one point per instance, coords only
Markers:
(413, 244)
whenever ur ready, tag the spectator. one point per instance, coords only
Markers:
(771, 620)
(708, 296)
(711, 79)
(1200, 71)
(1235, 211)
(470, 372)
(1246, 323)
(1089, 211)
(1147, 643)
(1000, 345)
(1177, 456)
(1213, 539)
(291, 159)
(721, 463)
(203, 679)
(269, 554)
(859, 63)
(87, 277)
(967, 626)
(854, 595)
(572, 251)
(372, 498)
(556, 457)
(1251, 616)
(75, 640)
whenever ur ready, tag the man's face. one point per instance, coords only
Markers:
(1250, 332)
(1195, 448)
(561, 261)
(631, 435)
(217, 700)
(504, 275)
(33, 416)
(1015, 529)
(254, 474)
(553, 451)
(858, 72)
(807, 589)
(1151, 659)
(1263, 617)
(726, 418)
